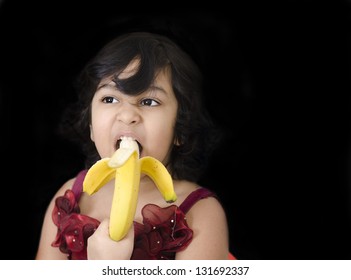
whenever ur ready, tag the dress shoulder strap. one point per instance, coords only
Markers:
(194, 197)
(191, 199)
(77, 187)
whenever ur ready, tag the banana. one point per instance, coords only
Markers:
(159, 174)
(126, 167)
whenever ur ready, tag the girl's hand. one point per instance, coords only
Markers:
(102, 247)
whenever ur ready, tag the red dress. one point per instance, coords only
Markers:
(164, 231)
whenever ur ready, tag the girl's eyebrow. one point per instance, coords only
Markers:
(110, 85)
(157, 88)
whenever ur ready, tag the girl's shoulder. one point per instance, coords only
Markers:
(68, 185)
(75, 184)
(190, 193)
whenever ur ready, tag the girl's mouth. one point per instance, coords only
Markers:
(119, 143)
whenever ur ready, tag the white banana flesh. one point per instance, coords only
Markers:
(126, 167)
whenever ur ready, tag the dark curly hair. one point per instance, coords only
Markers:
(195, 131)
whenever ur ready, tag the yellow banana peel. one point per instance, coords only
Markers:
(126, 167)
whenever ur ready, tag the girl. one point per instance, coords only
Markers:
(143, 86)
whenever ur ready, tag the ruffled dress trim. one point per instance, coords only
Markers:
(163, 232)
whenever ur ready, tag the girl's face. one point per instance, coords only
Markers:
(149, 117)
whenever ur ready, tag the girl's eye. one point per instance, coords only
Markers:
(149, 102)
(109, 99)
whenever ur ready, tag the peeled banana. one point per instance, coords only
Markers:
(126, 167)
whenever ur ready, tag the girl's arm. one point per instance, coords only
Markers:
(210, 241)
(49, 231)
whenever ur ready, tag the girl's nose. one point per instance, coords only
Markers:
(128, 114)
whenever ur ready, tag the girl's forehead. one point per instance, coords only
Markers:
(163, 78)
(131, 69)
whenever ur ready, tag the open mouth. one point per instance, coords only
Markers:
(119, 143)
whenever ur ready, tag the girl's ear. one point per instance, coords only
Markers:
(91, 133)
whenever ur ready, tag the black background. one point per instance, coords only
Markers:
(277, 81)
